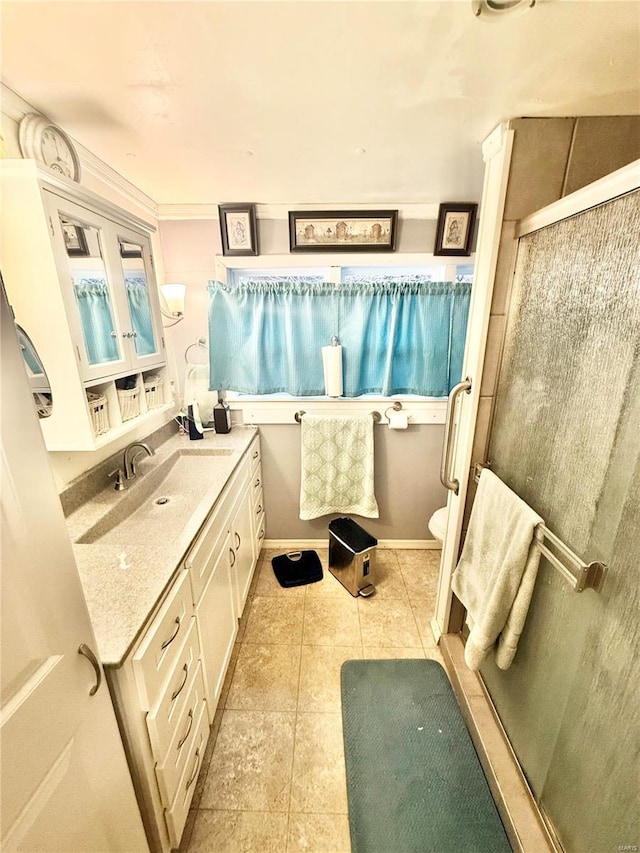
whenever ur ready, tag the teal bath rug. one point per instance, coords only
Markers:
(414, 780)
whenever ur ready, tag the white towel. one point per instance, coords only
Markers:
(495, 576)
(337, 466)
(196, 387)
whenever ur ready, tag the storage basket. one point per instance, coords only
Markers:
(129, 403)
(99, 412)
(153, 391)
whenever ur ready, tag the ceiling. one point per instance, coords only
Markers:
(313, 102)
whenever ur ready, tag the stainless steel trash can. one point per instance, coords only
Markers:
(352, 556)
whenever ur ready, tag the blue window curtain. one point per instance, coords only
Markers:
(265, 337)
(140, 311)
(92, 296)
(398, 337)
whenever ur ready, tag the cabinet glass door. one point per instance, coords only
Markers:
(138, 299)
(83, 245)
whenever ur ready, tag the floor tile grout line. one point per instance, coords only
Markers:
(295, 725)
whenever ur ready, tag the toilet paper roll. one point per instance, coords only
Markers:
(332, 363)
(398, 420)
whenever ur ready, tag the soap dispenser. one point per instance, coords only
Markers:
(221, 416)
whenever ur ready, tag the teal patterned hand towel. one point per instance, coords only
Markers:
(337, 466)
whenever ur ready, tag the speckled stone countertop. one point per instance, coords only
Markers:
(131, 548)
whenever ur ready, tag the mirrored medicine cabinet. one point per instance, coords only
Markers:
(79, 274)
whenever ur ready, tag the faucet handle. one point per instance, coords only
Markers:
(120, 484)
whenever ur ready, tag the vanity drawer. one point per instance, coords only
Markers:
(256, 483)
(176, 816)
(258, 509)
(260, 535)
(166, 714)
(255, 455)
(201, 558)
(170, 770)
(156, 657)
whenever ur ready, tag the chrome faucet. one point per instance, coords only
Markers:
(129, 461)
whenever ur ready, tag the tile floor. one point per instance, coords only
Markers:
(273, 777)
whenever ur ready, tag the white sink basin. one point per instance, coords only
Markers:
(160, 500)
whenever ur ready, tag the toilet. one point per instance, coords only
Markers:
(438, 523)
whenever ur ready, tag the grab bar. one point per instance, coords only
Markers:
(578, 574)
(447, 449)
(377, 417)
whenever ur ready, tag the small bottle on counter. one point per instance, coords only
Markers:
(221, 416)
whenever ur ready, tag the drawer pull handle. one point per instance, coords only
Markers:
(257, 483)
(195, 772)
(175, 695)
(255, 455)
(183, 739)
(238, 541)
(233, 557)
(259, 510)
(173, 636)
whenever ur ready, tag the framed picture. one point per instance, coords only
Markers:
(455, 229)
(74, 240)
(238, 229)
(342, 230)
(130, 250)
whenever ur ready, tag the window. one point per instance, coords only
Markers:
(402, 329)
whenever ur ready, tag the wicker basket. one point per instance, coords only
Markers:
(154, 391)
(129, 403)
(99, 412)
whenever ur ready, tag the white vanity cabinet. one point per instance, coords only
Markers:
(167, 689)
(221, 564)
(79, 275)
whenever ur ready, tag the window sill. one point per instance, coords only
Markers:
(272, 411)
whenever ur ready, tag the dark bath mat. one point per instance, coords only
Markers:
(414, 781)
(297, 568)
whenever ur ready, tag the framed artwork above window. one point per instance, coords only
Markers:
(238, 228)
(342, 230)
(455, 228)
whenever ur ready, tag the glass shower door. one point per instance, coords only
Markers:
(565, 438)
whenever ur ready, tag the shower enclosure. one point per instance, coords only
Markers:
(565, 437)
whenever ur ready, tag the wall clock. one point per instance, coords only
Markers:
(43, 141)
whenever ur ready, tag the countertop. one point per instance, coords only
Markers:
(126, 571)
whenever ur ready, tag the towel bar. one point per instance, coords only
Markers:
(377, 417)
(577, 573)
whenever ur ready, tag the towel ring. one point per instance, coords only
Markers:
(199, 343)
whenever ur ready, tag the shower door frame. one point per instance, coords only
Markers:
(496, 152)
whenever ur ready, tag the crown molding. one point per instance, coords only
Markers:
(13, 106)
(108, 176)
(281, 211)
(16, 108)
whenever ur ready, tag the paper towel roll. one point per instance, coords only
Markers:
(332, 363)
(398, 420)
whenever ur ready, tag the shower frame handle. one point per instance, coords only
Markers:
(446, 479)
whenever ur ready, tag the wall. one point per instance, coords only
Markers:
(407, 463)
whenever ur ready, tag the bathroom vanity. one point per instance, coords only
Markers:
(166, 567)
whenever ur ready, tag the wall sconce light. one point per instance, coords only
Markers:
(173, 295)
(495, 7)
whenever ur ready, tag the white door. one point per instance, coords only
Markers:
(65, 785)
(497, 155)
